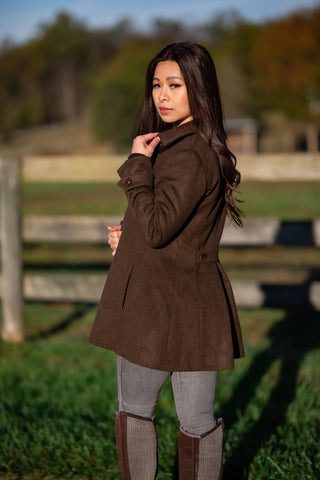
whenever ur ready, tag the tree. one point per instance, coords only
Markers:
(19, 97)
(230, 39)
(61, 59)
(118, 91)
(286, 68)
(47, 79)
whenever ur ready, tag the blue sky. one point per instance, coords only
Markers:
(19, 18)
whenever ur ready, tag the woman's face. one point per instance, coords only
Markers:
(169, 93)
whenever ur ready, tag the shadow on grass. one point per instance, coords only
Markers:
(292, 339)
(77, 313)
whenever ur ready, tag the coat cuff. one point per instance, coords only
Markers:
(136, 172)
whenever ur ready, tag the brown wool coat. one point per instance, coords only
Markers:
(167, 303)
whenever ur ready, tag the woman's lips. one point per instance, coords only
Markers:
(164, 110)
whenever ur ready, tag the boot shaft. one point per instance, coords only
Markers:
(200, 458)
(136, 441)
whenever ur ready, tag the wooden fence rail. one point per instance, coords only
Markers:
(267, 166)
(248, 294)
(92, 229)
(257, 232)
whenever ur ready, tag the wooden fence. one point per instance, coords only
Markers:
(79, 288)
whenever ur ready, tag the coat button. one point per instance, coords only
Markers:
(128, 181)
(203, 256)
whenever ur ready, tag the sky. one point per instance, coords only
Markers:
(19, 19)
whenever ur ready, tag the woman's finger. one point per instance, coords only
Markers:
(114, 228)
(145, 144)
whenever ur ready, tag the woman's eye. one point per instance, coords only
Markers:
(155, 85)
(175, 85)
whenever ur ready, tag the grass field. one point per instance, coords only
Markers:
(58, 398)
(58, 393)
(288, 201)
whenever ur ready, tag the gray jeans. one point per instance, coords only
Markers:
(194, 394)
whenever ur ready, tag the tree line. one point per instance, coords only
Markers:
(68, 70)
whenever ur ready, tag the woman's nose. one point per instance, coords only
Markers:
(163, 95)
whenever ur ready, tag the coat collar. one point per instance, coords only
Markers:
(168, 137)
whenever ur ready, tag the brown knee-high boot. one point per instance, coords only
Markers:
(200, 458)
(136, 440)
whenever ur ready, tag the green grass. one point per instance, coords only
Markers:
(58, 398)
(288, 201)
(284, 200)
(65, 198)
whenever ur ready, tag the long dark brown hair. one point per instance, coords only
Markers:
(200, 76)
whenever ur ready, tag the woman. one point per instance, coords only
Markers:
(167, 307)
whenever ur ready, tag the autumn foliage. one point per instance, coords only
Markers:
(286, 64)
(68, 71)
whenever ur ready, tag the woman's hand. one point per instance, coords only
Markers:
(114, 237)
(145, 144)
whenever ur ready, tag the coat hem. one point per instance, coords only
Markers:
(166, 367)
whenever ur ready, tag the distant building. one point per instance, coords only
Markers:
(242, 134)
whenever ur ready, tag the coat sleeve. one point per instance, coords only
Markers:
(162, 203)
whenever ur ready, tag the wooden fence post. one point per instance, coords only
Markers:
(12, 329)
